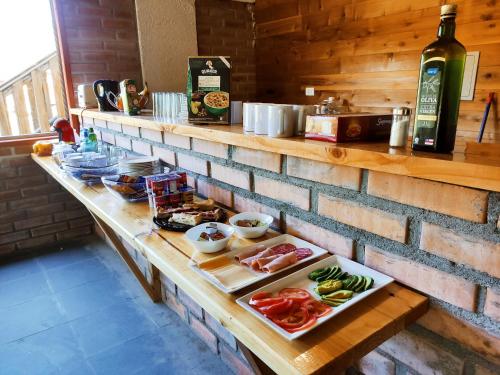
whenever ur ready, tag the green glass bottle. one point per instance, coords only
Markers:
(440, 86)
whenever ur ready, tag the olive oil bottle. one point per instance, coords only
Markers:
(440, 85)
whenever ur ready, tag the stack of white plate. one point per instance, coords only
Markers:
(140, 166)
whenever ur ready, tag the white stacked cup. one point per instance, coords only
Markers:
(280, 122)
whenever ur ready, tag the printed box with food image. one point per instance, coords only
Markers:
(208, 89)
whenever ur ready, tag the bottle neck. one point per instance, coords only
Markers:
(447, 28)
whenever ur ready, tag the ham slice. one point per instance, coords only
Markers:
(265, 253)
(281, 262)
(257, 264)
(249, 253)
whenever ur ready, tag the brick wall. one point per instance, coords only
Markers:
(227, 28)
(35, 211)
(439, 239)
(102, 40)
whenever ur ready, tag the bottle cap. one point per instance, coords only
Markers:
(401, 111)
(448, 10)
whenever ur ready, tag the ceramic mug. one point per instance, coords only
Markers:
(261, 118)
(300, 116)
(249, 116)
(281, 122)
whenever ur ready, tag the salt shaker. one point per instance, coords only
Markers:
(399, 128)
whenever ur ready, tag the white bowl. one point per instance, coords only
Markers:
(209, 246)
(253, 232)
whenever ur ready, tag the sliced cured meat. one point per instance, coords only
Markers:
(280, 262)
(283, 248)
(257, 264)
(303, 253)
(265, 253)
(249, 253)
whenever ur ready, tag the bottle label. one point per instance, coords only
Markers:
(430, 93)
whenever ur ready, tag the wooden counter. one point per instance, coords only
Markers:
(458, 168)
(331, 348)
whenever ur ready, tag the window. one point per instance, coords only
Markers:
(31, 92)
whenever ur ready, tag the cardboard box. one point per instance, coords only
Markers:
(352, 127)
(208, 89)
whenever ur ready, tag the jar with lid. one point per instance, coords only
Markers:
(399, 128)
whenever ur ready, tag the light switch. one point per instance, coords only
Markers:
(470, 73)
(309, 91)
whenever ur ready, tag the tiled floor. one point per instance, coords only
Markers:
(80, 311)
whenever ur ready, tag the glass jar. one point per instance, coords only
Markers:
(399, 128)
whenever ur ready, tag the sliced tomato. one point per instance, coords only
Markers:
(294, 319)
(276, 308)
(295, 294)
(268, 301)
(308, 324)
(317, 308)
(258, 296)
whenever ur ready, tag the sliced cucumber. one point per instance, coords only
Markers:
(361, 285)
(359, 282)
(368, 282)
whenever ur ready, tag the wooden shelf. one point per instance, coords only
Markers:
(332, 348)
(458, 168)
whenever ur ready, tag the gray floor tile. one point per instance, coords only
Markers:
(26, 288)
(111, 327)
(53, 348)
(65, 256)
(91, 297)
(76, 274)
(18, 269)
(29, 318)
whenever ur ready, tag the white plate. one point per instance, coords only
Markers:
(299, 279)
(258, 276)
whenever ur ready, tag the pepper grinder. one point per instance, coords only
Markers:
(400, 125)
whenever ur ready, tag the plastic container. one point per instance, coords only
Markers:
(129, 191)
(90, 175)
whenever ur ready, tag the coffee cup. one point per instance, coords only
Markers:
(249, 116)
(300, 116)
(261, 118)
(280, 121)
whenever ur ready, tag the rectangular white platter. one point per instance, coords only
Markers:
(254, 276)
(299, 279)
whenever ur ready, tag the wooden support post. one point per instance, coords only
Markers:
(40, 91)
(31, 99)
(57, 81)
(258, 367)
(153, 289)
(4, 118)
(22, 113)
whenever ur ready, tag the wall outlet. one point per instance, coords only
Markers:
(309, 91)
(470, 74)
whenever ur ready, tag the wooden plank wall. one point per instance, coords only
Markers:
(366, 52)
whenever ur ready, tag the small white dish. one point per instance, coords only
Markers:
(251, 232)
(209, 246)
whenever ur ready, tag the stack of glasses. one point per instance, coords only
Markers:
(170, 106)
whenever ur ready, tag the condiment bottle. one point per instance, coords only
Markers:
(399, 128)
